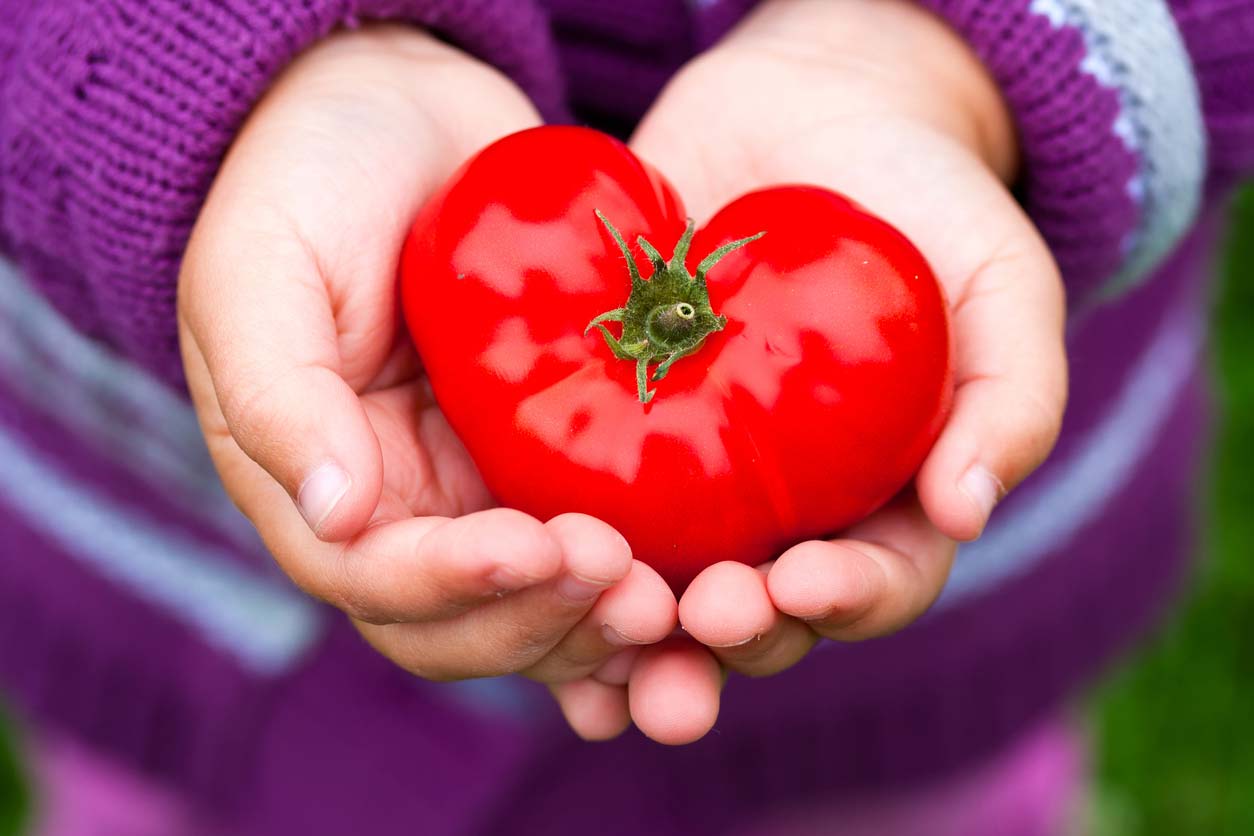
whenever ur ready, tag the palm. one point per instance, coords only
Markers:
(928, 185)
(925, 182)
(317, 413)
(327, 203)
(426, 470)
(867, 120)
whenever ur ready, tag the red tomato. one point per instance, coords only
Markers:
(810, 407)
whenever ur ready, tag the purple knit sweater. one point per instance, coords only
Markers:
(138, 612)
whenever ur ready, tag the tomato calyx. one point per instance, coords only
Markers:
(668, 315)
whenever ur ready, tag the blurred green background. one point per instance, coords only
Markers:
(1171, 725)
(13, 796)
(1173, 735)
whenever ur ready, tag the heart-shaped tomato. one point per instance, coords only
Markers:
(805, 391)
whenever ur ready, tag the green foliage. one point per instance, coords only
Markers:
(1173, 729)
(13, 792)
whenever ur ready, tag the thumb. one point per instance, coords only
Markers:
(666, 141)
(261, 350)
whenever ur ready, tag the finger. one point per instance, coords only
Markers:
(594, 710)
(639, 609)
(421, 569)
(594, 557)
(617, 669)
(400, 568)
(288, 282)
(1011, 379)
(728, 609)
(674, 690)
(1005, 289)
(883, 576)
(514, 633)
(256, 317)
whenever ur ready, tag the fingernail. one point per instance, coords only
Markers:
(739, 643)
(616, 638)
(982, 488)
(578, 590)
(506, 579)
(618, 669)
(321, 491)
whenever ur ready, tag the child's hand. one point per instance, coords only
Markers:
(316, 412)
(877, 99)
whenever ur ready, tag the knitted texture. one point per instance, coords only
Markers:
(1134, 48)
(1220, 36)
(1085, 169)
(114, 407)
(116, 114)
(113, 117)
(12, 24)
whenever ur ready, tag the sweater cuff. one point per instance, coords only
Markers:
(13, 15)
(1110, 125)
(116, 116)
(1220, 37)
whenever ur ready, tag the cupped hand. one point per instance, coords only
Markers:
(316, 411)
(881, 101)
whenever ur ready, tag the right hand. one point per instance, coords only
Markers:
(317, 415)
(884, 102)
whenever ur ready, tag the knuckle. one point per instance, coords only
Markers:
(356, 607)
(753, 655)
(313, 583)
(352, 591)
(253, 416)
(478, 660)
(521, 656)
(433, 661)
(437, 672)
(522, 650)
(868, 629)
(1040, 423)
(567, 662)
(258, 417)
(763, 666)
(366, 613)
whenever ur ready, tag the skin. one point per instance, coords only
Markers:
(296, 363)
(880, 100)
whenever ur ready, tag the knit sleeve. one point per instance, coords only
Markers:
(1220, 38)
(1113, 100)
(114, 116)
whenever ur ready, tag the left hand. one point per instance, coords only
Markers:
(880, 100)
(299, 371)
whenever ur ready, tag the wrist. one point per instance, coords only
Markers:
(907, 59)
(388, 85)
(1106, 104)
(389, 59)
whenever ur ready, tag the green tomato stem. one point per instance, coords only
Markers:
(667, 316)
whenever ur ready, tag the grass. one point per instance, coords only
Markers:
(1170, 724)
(13, 794)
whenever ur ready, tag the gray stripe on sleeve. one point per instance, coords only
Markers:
(1135, 48)
(263, 624)
(1074, 492)
(117, 408)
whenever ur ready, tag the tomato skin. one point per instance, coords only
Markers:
(813, 407)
